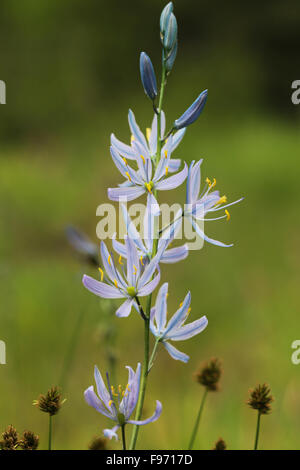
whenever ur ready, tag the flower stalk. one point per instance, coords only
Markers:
(197, 422)
(257, 430)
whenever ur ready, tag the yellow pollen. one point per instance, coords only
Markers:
(125, 161)
(227, 214)
(208, 182)
(120, 260)
(135, 270)
(148, 133)
(167, 169)
(127, 388)
(102, 273)
(108, 259)
(222, 200)
(132, 138)
(128, 175)
(113, 391)
(110, 402)
(148, 186)
(123, 393)
(181, 304)
(115, 283)
(141, 260)
(166, 154)
(120, 388)
(143, 158)
(214, 183)
(189, 310)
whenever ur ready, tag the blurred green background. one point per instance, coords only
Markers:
(71, 70)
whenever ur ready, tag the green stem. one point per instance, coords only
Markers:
(257, 430)
(50, 432)
(162, 90)
(194, 433)
(151, 361)
(123, 437)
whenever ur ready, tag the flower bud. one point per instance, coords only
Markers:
(164, 18)
(169, 61)
(192, 113)
(170, 33)
(148, 76)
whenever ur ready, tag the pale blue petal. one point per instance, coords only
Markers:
(175, 353)
(135, 130)
(126, 194)
(119, 248)
(123, 149)
(177, 138)
(148, 288)
(173, 181)
(92, 400)
(101, 289)
(173, 255)
(207, 239)
(153, 418)
(188, 331)
(133, 265)
(101, 388)
(180, 315)
(125, 309)
(174, 164)
(110, 433)
(161, 307)
(226, 205)
(153, 204)
(131, 229)
(133, 394)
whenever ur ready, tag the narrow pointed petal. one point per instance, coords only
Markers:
(101, 289)
(173, 255)
(110, 433)
(152, 202)
(119, 248)
(125, 309)
(173, 181)
(136, 131)
(188, 331)
(134, 387)
(227, 205)
(149, 227)
(129, 194)
(92, 400)
(174, 164)
(124, 168)
(179, 316)
(123, 149)
(161, 307)
(151, 267)
(131, 229)
(150, 287)
(101, 388)
(177, 138)
(175, 353)
(133, 265)
(153, 418)
(206, 238)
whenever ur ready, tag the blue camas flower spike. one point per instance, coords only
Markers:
(118, 404)
(197, 207)
(136, 281)
(148, 76)
(192, 113)
(175, 329)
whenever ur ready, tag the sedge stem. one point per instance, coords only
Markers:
(50, 433)
(257, 430)
(195, 430)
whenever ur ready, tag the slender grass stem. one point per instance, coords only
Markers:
(257, 430)
(196, 426)
(123, 437)
(50, 433)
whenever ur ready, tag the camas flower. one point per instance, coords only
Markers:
(147, 146)
(145, 247)
(135, 282)
(197, 207)
(175, 329)
(145, 180)
(119, 405)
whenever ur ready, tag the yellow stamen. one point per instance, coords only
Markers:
(128, 176)
(208, 182)
(108, 259)
(214, 183)
(113, 391)
(135, 270)
(125, 161)
(123, 393)
(148, 133)
(181, 304)
(167, 169)
(132, 138)
(120, 388)
(227, 214)
(120, 260)
(110, 402)
(102, 273)
(115, 283)
(222, 200)
(166, 154)
(141, 260)
(149, 187)
(189, 311)
(143, 158)
(127, 388)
